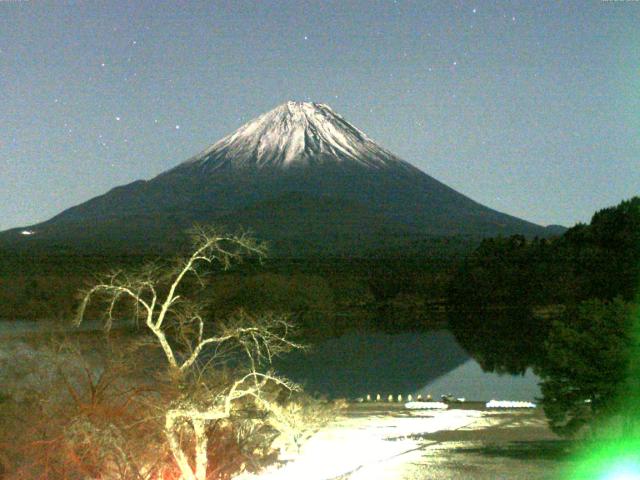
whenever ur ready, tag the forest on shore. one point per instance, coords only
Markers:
(391, 290)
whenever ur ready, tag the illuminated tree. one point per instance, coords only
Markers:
(218, 371)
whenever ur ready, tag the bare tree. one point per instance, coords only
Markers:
(238, 351)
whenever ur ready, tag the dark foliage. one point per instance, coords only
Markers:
(529, 281)
(492, 299)
(393, 290)
(586, 363)
(562, 306)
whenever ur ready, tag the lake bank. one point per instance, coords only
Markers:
(386, 442)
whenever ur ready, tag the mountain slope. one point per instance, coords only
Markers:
(297, 173)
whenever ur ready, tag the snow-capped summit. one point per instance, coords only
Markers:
(295, 134)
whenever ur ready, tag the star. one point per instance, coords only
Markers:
(103, 64)
(306, 37)
(117, 119)
(474, 10)
(177, 127)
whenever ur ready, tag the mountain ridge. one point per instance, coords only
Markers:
(297, 152)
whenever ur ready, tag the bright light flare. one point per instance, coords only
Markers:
(627, 470)
(617, 459)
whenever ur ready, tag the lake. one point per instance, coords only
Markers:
(355, 365)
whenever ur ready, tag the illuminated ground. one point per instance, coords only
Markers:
(383, 442)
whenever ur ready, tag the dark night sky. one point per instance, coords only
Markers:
(529, 107)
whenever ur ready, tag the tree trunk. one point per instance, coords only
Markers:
(200, 431)
(176, 449)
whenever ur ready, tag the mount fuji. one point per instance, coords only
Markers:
(299, 176)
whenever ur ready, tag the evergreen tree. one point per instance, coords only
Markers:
(587, 355)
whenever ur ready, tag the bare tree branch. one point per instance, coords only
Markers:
(179, 328)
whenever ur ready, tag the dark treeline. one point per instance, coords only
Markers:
(563, 306)
(391, 290)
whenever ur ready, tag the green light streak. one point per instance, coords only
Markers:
(613, 460)
(614, 451)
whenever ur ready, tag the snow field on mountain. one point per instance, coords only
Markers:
(296, 133)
